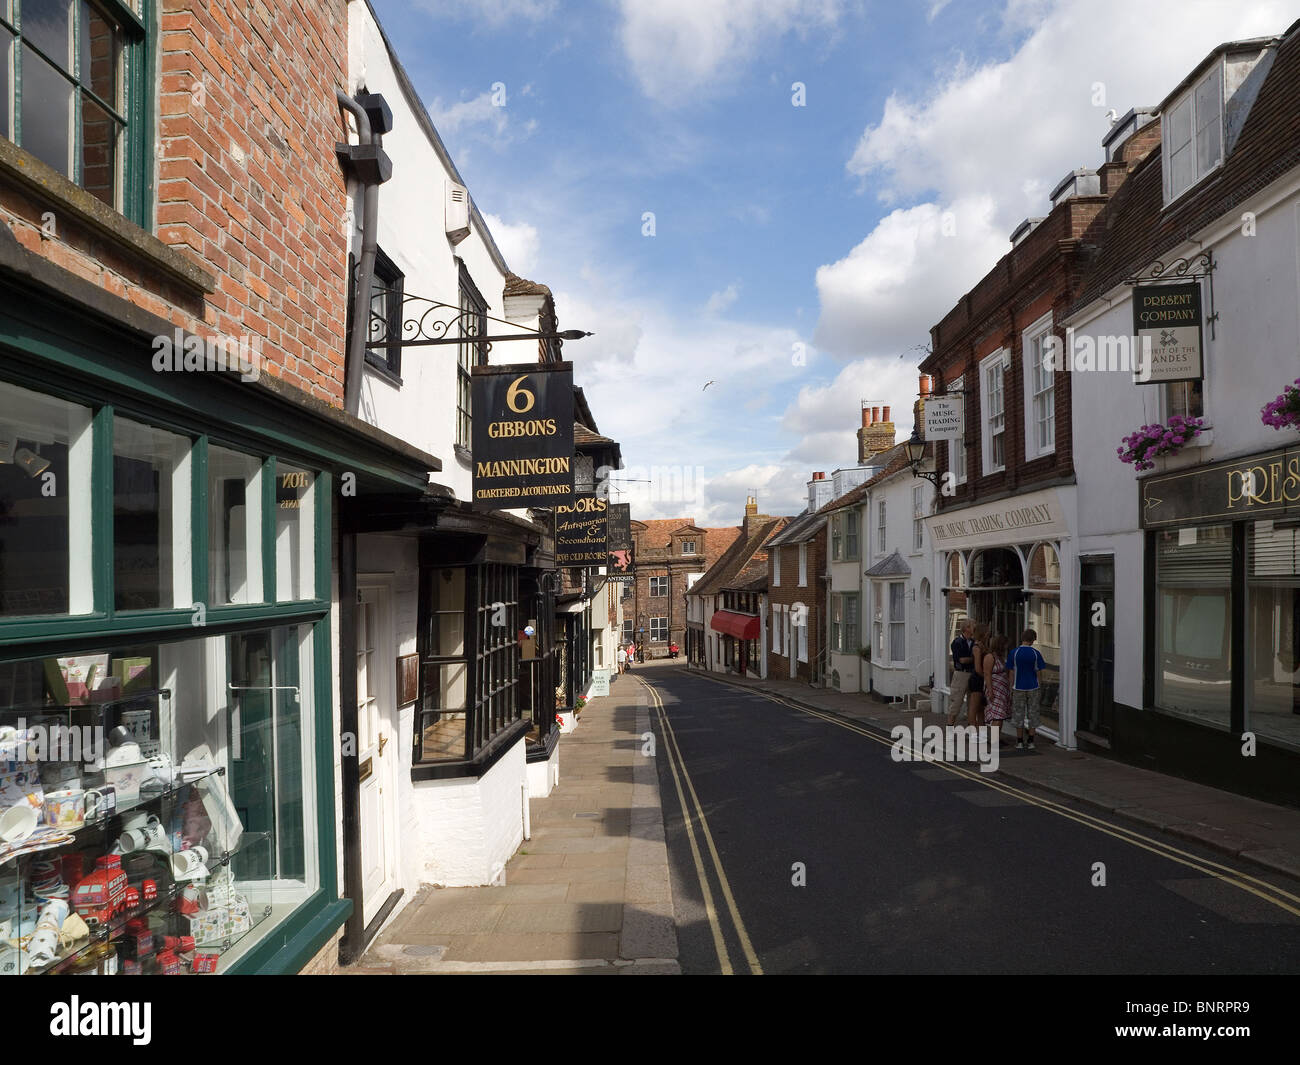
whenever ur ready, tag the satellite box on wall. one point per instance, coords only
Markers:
(457, 212)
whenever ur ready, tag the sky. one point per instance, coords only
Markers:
(779, 197)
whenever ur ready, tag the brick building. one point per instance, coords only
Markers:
(796, 592)
(1008, 484)
(670, 555)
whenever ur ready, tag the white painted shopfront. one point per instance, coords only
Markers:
(1012, 564)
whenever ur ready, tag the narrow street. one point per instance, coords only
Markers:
(921, 868)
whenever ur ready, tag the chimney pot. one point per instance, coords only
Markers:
(927, 385)
(875, 415)
(886, 417)
(866, 417)
(820, 475)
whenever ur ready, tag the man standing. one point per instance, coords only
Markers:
(622, 659)
(1027, 663)
(963, 664)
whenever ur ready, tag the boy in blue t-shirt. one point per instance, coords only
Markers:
(1024, 665)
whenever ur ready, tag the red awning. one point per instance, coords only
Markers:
(742, 626)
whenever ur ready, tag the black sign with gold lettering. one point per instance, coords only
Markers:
(1263, 486)
(522, 435)
(580, 532)
(1167, 330)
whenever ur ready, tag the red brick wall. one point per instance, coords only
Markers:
(789, 592)
(247, 185)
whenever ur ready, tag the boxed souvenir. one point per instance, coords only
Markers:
(135, 674)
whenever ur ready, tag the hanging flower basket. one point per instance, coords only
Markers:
(1284, 412)
(1144, 446)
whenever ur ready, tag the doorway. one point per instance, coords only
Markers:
(376, 752)
(1096, 644)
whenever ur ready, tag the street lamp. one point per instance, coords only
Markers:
(916, 458)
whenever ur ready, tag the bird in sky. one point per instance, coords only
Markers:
(706, 385)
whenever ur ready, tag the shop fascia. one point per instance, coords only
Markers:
(1030, 517)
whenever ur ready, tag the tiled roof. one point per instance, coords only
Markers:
(892, 566)
(800, 530)
(582, 436)
(659, 531)
(1137, 227)
(521, 286)
(735, 562)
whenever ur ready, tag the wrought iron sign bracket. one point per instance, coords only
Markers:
(418, 321)
(1184, 268)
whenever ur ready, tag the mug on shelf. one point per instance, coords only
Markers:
(147, 836)
(189, 863)
(18, 822)
(65, 808)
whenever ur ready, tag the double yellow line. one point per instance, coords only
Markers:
(691, 813)
(1262, 889)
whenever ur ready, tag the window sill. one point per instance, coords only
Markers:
(380, 369)
(462, 454)
(480, 763)
(48, 185)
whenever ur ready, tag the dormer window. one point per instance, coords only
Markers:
(688, 547)
(1192, 131)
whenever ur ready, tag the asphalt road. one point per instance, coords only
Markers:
(910, 868)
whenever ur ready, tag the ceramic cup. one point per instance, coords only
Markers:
(188, 862)
(65, 808)
(18, 822)
(139, 819)
(149, 836)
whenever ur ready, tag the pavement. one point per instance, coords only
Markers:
(1257, 832)
(588, 893)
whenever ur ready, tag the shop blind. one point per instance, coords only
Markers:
(1274, 551)
(1206, 562)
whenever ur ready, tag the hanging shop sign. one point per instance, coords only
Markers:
(945, 418)
(522, 435)
(618, 542)
(580, 531)
(1263, 486)
(1167, 326)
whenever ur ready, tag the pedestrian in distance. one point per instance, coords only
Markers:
(997, 688)
(979, 651)
(622, 659)
(962, 665)
(631, 651)
(1025, 663)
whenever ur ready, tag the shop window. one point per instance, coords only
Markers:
(45, 505)
(295, 544)
(469, 660)
(658, 630)
(897, 621)
(1273, 606)
(151, 528)
(213, 739)
(658, 586)
(1192, 619)
(234, 527)
(67, 95)
(385, 321)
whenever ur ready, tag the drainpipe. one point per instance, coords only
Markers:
(356, 353)
(353, 942)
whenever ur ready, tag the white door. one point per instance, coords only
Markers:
(376, 752)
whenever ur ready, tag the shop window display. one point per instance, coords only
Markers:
(1273, 621)
(155, 803)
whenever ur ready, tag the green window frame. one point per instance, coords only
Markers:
(30, 63)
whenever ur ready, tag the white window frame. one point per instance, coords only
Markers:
(661, 628)
(688, 547)
(776, 567)
(776, 629)
(1036, 334)
(802, 633)
(957, 446)
(918, 516)
(658, 595)
(837, 538)
(988, 367)
(893, 621)
(1197, 125)
(882, 537)
(803, 565)
(851, 524)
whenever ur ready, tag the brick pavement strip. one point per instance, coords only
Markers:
(589, 893)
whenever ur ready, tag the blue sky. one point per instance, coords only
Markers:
(798, 250)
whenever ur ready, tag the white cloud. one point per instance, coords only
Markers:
(986, 127)
(677, 47)
(882, 297)
(465, 114)
(935, 9)
(722, 299)
(519, 243)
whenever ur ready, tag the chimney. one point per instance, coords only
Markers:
(866, 416)
(819, 476)
(876, 435)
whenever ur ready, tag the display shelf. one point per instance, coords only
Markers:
(144, 799)
(54, 708)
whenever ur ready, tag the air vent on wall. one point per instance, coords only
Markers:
(457, 212)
